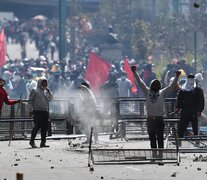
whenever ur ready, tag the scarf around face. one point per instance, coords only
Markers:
(189, 85)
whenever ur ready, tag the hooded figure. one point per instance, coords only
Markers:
(90, 111)
(190, 102)
(155, 101)
(39, 106)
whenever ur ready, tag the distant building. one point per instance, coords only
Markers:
(49, 8)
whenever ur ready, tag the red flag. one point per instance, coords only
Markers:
(2, 49)
(97, 72)
(130, 75)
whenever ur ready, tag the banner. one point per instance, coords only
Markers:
(97, 72)
(2, 49)
(130, 75)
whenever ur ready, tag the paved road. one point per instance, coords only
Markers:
(60, 162)
(14, 51)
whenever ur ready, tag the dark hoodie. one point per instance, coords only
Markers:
(39, 98)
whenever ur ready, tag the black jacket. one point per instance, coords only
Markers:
(191, 101)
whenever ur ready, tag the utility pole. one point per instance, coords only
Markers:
(73, 31)
(195, 50)
(175, 6)
(154, 8)
(62, 19)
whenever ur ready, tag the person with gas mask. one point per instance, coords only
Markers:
(39, 106)
(155, 101)
(190, 103)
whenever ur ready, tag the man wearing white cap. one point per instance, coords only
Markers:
(190, 102)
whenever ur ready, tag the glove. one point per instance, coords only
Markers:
(133, 68)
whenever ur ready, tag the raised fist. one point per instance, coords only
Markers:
(178, 73)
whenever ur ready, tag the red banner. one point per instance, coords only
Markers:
(130, 75)
(97, 72)
(2, 49)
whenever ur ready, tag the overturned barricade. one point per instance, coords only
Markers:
(142, 156)
(107, 155)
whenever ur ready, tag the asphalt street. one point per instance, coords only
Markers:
(63, 162)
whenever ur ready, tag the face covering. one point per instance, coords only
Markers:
(123, 77)
(155, 86)
(189, 85)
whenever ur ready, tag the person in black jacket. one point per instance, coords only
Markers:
(190, 102)
(110, 93)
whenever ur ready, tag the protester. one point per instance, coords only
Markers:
(30, 84)
(125, 88)
(124, 85)
(190, 102)
(110, 93)
(4, 96)
(39, 106)
(148, 74)
(19, 85)
(90, 111)
(155, 100)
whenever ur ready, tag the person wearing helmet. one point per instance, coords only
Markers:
(4, 96)
(155, 100)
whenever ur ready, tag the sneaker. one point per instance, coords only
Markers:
(32, 144)
(43, 145)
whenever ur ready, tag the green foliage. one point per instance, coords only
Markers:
(146, 27)
(159, 67)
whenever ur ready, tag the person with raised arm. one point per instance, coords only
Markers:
(155, 101)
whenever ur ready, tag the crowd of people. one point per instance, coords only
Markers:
(18, 74)
(21, 76)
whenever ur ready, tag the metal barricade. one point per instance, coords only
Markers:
(131, 155)
(132, 118)
(128, 114)
(18, 119)
(126, 156)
